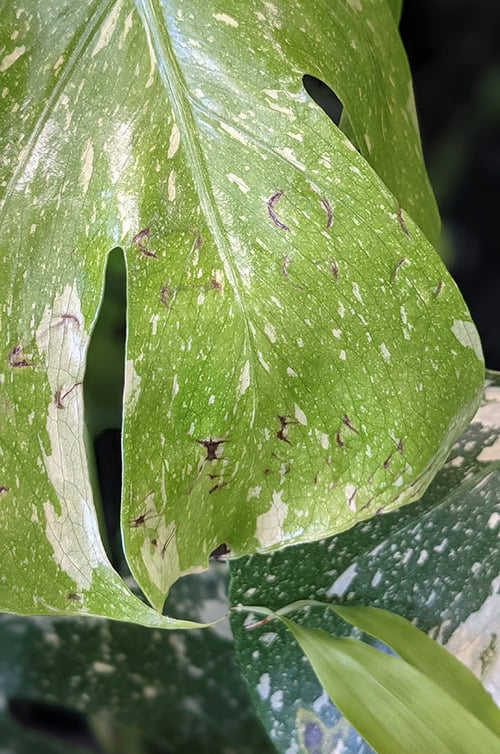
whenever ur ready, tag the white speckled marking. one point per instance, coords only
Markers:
(466, 334)
(175, 140)
(244, 381)
(87, 161)
(11, 58)
(225, 19)
(269, 529)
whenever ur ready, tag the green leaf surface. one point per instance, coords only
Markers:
(427, 656)
(128, 679)
(394, 707)
(437, 563)
(298, 357)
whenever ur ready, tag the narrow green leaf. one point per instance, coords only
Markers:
(394, 707)
(427, 656)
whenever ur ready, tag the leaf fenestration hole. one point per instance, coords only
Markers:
(53, 720)
(324, 97)
(103, 396)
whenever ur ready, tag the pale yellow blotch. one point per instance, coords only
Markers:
(107, 29)
(174, 141)
(244, 381)
(132, 386)
(239, 182)
(171, 186)
(11, 58)
(300, 415)
(71, 526)
(356, 4)
(87, 161)
(162, 561)
(467, 335)
(269, 529)
(226, 19)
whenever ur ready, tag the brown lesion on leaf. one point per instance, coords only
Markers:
(219, 552)
(61, 394)
(400, 264)
(73, 597)
(140, 239)
(347, 423)
(334, 269)
(3, 490)
(17, 359)
(338, 440)
(438, 289)
(271, 203)
(198, 241)
(67, 319)
(401, 222)
(285, 263)
(351, 500)
(167, 541)
(143, 518)
(282, 433)
(398, 449)
(215, 285)
(213, 448)
(329, 212)
(166, 293)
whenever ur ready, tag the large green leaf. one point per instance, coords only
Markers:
(437, 563)
(298, 357)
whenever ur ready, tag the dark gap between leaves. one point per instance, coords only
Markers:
(103, 396)
(324, 97)
(53, 720)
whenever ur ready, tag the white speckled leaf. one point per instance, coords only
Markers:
(437, 563)
(298, 357)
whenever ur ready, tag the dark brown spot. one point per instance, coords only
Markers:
(400, 447)
(215, 285)
(198, 241)
(351, 500)
(267, 472)
(339, 440)
(271, 203)
(166, 293)
(216, 487)
(135, 523)
(154, 542)
(284, 265)
(401, 262)
(334, 269)
(439, 288)
(347, 422)
(219, 552)
(213, 448)
(59, 395)
(315, 479)
(282, 433)
(3, 490)
(17, 359)
(144, 233)
(329, 212)
(74, 597)
(379, 511)
(402, 223)
(146, 252)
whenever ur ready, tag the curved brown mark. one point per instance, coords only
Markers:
(16, 358)
(74, 597)
(146, 252)
(347, 422)
(59, 396)
(284, 265)
(339, 440)
(282, 433)
(215, 285)
(402, 223)
(167, 541)
(398, 449)
(334, 269)
(3, 490)
(400, 263)
(213, 448)
(67, 318)
(439, 288)
(198, 241)
(351, 502)
(271, 203)
(329, 212)
(141, 520)
(219, 552)
(144, 233)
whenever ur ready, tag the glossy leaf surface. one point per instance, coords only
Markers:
(297, 356)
